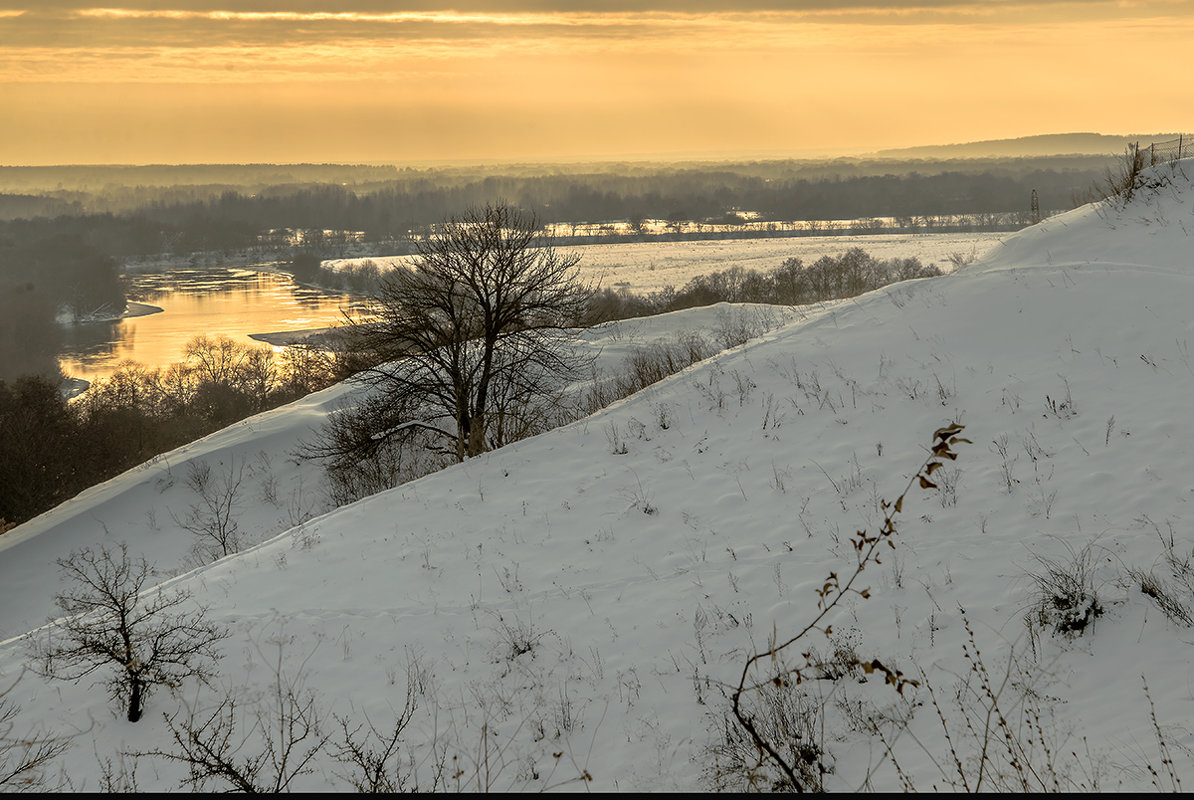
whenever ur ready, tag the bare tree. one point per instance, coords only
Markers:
(475, 338)
(216, 360)
(214, 518)
(25, 756)
(146, 638)
(251, 746)
(222, 745)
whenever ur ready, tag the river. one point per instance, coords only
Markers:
(230, 301)
(240, 301)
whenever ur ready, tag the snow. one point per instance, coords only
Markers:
(576, 599)
(645, 267)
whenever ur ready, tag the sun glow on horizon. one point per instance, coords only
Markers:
(127, 84)
(328, 16)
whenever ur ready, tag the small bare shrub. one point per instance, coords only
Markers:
(789, 715)
(1179, 563)
(998, 729)
(145, 637)
(375, 760)
(213, 519)
(1066, 597)
(1121, 182)
(1162, 596)
(711, 389)
(961, 259)
(639, 497)
(1180, 566)
(1062, 407)
(948, 486)
(739, 325)
(773, 412)
(517, 638)
(617, 445)
(25, 756)
(1008, 462)
(663, 415)
(219, 745)
(643, 366)
(269, 482)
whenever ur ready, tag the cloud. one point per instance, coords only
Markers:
(59, 7)
(547, 79)
(269, 40)
(97, 29)
(183, 23)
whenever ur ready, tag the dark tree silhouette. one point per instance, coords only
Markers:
(474, 338)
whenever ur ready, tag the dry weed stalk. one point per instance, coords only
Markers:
(830, 595)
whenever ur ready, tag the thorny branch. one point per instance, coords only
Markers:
(833, 591)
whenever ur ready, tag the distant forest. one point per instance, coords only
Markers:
(64, 230)
(140, 210)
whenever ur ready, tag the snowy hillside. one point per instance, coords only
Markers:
(150, 504)
(579, 603)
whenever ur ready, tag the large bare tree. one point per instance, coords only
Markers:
(474, 337)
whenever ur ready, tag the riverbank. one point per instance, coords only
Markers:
(132, 308)
(135, 309)
(306, 336)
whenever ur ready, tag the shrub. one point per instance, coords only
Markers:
(24, 756)
(792, 717)
(145, 638)
(1066, 599)
(794, 283)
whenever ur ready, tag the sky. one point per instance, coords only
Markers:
(416, 81)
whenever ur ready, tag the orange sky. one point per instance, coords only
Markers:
(134, 81)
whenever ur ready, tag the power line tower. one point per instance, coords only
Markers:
(1036, 208)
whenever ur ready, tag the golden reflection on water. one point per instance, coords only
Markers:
(231, 302)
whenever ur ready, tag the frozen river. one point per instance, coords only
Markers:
(651, 266)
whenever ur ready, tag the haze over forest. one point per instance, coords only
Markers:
(66, 232)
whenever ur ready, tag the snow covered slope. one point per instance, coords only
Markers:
(576, 603)
(148, 505)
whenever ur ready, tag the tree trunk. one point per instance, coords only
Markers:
(135, 700)
(462, 437)
(476, 436)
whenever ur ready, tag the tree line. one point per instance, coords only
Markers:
(386, 203)
(63, 231)
(53, 448)
(793, 282)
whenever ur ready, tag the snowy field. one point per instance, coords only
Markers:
(571, 609)
(650, 266)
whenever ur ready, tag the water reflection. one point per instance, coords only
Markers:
(234, 302)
